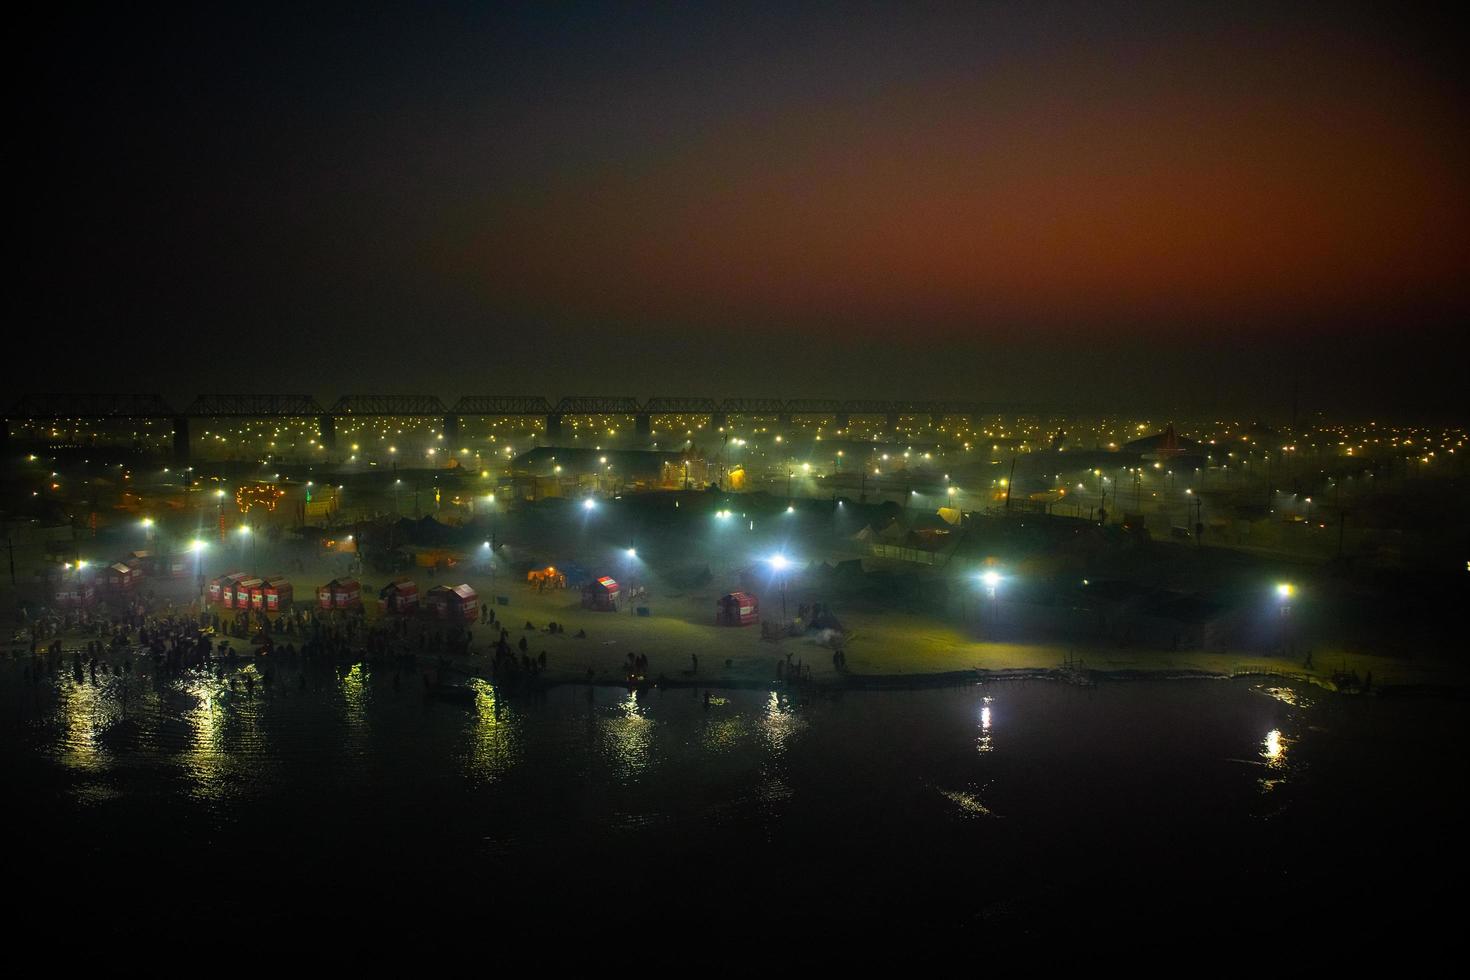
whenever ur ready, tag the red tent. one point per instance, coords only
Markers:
(399, 596)
(737, 609)
(222, 589)
(277, 593)
(456, 603)
(244, 589)
(340, 593)
(171, 566)
(601, 594)
(75, 591)
(120, 577)
(346, 593)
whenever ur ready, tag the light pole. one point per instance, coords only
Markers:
(197, 546)
(1285, 592)
(779, 564)
(990, 580)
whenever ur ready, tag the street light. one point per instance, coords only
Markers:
(779, 564)
(1285, 591)
(197, 546)
(991, 580)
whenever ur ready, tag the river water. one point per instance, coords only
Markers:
(1023, 810)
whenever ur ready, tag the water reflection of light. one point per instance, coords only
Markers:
(80, 707)
(1288, 696)
(969, 804)
(983, 743)
(724, 734)
(1273, 749)
(629, 737)
(356, 698)
(494, 744)
(780, 724)
(204, 757)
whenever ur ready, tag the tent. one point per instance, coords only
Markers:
(120, 577)
(75, 592)
(346, 593)
(737, 609)
(222, 589)
(245, 591)
(458, 603)
(601, 594)
(340, 593)
(276, 595)
(399, 596)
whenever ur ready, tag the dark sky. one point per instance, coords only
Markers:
(1083, 204)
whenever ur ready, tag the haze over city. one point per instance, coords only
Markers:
(1153, 204)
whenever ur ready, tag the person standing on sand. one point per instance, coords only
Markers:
(694, 659)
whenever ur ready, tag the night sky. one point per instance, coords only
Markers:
(1160, 206)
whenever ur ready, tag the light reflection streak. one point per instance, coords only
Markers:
(983, 743)
(1273, 749)
(494, 745)
(780, 725)
(629, 737)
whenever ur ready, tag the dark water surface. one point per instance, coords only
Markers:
(1024, 810)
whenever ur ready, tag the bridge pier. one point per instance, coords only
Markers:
(719, 420)
(181, 438)
(784, 420)
(892, 421)
(843, 420)
(326, 428)
(451, 431)
(553, 426)
(643, 424)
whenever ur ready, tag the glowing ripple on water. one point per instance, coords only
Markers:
(628, 737)
(1273, 753)
(494, 735)
(780, 725)
(983, 743)
(1287, 695)
(969, 804)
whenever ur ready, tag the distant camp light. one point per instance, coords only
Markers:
(1285, 590)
